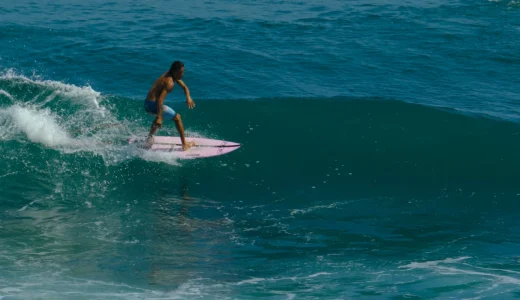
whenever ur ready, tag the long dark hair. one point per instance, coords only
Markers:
(176, 66)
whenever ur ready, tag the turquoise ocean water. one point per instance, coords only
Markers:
(380, 155)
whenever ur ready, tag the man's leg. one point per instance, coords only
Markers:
(150, 139)
(168, 113)
(150, 108)
(180, 128)
(153, 129)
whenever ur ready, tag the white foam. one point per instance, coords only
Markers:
(427, 264)
(9, 290)
(162, 157)
(250, 281)
(304, 211)
(512, 3)
(73, 287)
(44, 127)
(8, 174)
(440, 267)
(39, 126)
(319, 274)
(26, 206)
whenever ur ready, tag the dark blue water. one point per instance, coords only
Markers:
(379, 154)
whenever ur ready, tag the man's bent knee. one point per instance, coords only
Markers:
(177, 117)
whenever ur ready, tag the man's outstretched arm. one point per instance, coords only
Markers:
(189, 101)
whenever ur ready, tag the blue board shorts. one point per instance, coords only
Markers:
(151, 107)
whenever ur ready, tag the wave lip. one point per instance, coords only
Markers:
(85, 95)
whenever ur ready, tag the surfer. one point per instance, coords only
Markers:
(154, 103)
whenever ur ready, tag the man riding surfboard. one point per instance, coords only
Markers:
(154, 102)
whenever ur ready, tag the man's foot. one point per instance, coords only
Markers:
(187, 146)
(149, 142)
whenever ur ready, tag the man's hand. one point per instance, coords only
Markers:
(158, 122)
(190, 103)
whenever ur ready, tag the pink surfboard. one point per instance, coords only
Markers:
(203, 147)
